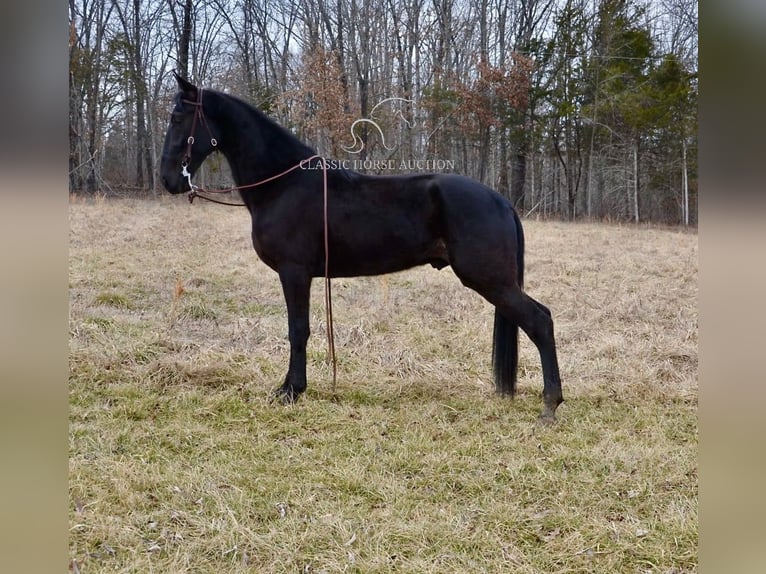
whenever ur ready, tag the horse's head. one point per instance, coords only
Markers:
(190, 138)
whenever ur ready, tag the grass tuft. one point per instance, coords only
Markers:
(113, 300)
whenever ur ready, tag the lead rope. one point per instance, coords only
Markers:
(328, 287)
(195, 192)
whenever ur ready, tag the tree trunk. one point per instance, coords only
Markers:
(144, 167)
(635, 182)
(484, 136)
(185, 40)
(74, 137)
(342, 60)
(684, 183)
(518, 174)
(75, 120)
(593, 124)
(503, 175)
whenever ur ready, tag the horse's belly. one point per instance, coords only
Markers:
(387, 257)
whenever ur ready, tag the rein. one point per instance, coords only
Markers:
(196, 191)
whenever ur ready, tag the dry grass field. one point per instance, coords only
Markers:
(179, 462)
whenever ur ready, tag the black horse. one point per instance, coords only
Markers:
(376, 225)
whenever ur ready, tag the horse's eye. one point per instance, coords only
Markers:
(175, 118)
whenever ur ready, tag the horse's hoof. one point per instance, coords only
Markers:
(546, 419)
(548, 415)
(283, 396)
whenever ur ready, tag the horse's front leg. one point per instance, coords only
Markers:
(296, 285)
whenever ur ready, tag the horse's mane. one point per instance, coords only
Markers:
(270, 128)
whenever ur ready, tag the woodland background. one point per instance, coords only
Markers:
(571, 108)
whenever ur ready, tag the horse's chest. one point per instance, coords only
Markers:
(263, 248)
(279, 243)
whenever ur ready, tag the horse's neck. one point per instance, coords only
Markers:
(262, 146)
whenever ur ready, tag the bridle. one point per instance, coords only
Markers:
(199, 116)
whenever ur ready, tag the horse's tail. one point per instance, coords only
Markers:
(519, 250)
(505, 336)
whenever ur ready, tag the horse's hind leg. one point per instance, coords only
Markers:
(535, 320)
(296, 285)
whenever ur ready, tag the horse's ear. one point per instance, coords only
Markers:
(186, 86)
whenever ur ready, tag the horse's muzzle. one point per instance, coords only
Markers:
(174, 184)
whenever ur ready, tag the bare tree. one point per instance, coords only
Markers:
(89, 99)
(530, 18)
